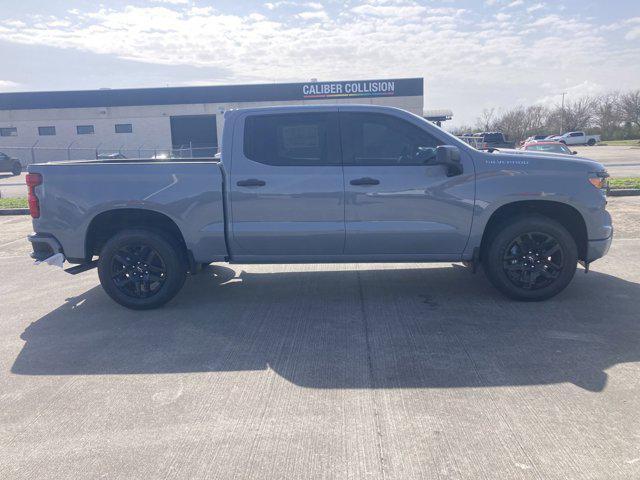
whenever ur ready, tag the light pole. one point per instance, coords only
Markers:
(562, 114)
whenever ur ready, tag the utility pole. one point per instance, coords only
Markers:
(562, 114)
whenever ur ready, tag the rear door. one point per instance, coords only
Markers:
(395, 204)
(286, 185)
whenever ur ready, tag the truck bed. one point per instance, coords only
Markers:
(187, 191)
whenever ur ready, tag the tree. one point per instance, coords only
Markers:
(630, 107)
(578, 114)
(486, 122)
(608, 114)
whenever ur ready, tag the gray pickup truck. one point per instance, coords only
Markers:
(323, 184)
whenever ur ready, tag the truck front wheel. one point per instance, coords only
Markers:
(142, 269)
(532, 258)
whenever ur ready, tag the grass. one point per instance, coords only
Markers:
(621, 143)
(13, 203)
(624, 182)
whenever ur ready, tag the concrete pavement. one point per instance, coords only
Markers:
(399, 371)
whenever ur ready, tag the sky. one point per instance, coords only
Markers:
(473, 54)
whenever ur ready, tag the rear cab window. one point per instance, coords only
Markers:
(297, 139)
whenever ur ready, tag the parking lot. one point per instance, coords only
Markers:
(619, 161)
(322, 371)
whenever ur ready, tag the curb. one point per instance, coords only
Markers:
(623, 192)
(14, 211)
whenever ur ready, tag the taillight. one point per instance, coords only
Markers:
(33, 180)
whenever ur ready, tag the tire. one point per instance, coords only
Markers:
(591, 142)
(142, 269)
(510, 266)
(16, 168)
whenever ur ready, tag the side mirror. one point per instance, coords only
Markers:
(449, 156)
(574, 153)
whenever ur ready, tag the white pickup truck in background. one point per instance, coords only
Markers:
(576, 138)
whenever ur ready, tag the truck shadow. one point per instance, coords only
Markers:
(381, 328)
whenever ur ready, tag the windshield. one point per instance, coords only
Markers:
(552, 148)
(493, 137)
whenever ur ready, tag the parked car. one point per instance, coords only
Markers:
(576, 138)
(534, 138)
(110, 156)
(9, 164)
(549, 147)
(491, 140)
(318, 184)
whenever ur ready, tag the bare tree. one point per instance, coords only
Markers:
(486, 121)
(608, 114)
(579, 114)
(630, 107)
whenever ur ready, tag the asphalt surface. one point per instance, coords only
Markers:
(399, 371)
(11, 186)
(619, 161)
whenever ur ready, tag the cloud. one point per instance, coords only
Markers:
(516, 3)
(534, 7)
(386, 11)
(8, 85)
(504, 56)
(313, 15)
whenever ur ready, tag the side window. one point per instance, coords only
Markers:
(577, 134)
(379, 139)
(298, 139)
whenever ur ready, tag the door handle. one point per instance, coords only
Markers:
(252, 182)
(365, 181)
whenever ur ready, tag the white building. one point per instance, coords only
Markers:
(46, 126)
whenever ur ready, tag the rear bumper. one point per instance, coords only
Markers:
(44, 246)
(598, 248)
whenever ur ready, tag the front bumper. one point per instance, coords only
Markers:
(44, 246)
(598, 248)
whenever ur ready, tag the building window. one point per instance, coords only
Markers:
(124, 128)
(8, 132)
(84, 129)
(43, 131)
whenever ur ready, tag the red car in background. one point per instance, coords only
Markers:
(549, 147)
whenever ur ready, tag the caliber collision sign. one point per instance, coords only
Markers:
(367, 88)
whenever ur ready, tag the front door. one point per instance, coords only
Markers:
(286, 184)
(394, 203)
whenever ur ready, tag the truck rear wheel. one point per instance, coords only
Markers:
(142, 269)
(591, 142)
(532, 258)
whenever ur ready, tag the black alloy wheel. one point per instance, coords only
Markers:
(142, 268)
(530, 257)
(138, 271)
(533, 260)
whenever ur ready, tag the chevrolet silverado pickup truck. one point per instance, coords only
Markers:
(313, 184)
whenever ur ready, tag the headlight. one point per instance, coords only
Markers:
(599, 179)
